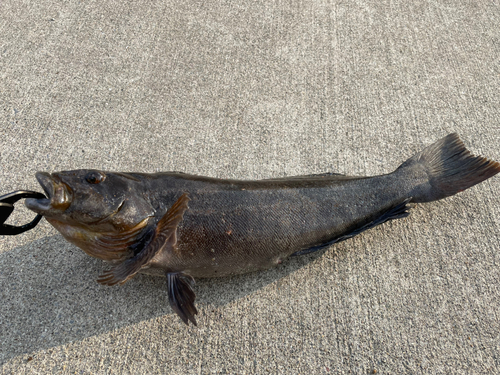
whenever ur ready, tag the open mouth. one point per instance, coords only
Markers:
(59, 194)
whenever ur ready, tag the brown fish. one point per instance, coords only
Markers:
(186, 226)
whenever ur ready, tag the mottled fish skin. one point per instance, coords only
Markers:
(188, 226)
(234, 227)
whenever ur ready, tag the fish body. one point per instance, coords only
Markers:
(234, 227)
(186, 226)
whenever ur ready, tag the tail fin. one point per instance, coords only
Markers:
(449, 169)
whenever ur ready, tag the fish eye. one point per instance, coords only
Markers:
(95, 177)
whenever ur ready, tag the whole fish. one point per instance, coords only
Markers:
(186, 226)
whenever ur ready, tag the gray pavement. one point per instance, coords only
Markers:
(255, 89)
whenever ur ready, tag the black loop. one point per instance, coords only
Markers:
(7, 206)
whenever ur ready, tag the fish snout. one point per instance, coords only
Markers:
(59, 194)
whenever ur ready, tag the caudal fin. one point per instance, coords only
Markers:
(448, 167)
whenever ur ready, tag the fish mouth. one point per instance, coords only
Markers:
(59, 194)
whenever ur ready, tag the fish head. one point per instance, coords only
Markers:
(91, 202)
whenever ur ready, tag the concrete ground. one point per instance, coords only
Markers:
(255, 89)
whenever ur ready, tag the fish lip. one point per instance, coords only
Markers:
(59, 195)
(46, 182)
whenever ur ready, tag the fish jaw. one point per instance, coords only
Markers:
(59, 195)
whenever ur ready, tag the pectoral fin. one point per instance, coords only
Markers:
(181, 296)
(154, 239)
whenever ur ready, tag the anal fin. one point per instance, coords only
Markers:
(181, 296)
(397, 211)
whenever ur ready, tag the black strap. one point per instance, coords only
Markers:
(7, 206)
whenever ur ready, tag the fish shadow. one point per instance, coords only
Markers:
(50, 296)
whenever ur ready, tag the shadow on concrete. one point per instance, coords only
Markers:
(50, 296)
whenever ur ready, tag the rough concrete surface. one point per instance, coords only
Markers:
(255, 89)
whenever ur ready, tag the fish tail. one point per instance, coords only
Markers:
(445, 168)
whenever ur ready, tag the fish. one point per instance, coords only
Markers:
(185, 226)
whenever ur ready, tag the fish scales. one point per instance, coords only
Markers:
(228, 224)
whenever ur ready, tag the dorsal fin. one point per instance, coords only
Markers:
(153, 241)
(331, 175)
